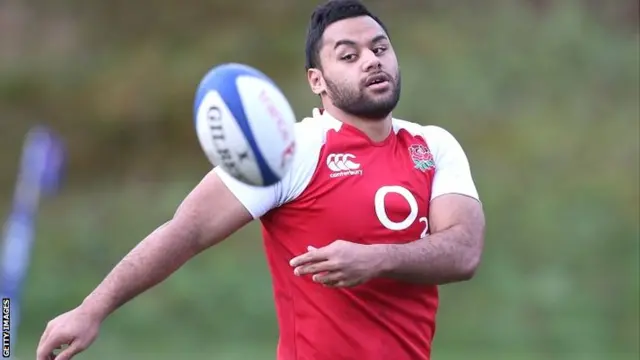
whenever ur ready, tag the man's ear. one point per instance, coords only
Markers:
(316, 81)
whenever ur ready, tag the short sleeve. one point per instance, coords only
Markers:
(259, 200)
(453, 173)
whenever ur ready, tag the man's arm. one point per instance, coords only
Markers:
(209, 214)
(453, 249)
(451, 253)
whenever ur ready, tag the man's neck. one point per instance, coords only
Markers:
(376, 129)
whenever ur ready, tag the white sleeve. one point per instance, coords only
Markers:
(259, 200)
(256, 199)
(453, 174)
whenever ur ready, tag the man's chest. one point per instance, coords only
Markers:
(371, 194)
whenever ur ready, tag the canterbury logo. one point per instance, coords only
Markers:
(341, 162)
(343, 165)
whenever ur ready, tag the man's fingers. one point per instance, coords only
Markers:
(315, 268)
(342, 283)
(49, 344)
(329, 278)
(45, 334)
(43, 352)
(310, 256)
(67, 353)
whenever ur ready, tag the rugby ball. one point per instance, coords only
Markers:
(245, 124)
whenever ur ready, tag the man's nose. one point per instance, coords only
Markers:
(370, 61)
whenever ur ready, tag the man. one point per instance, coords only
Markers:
(375, 213)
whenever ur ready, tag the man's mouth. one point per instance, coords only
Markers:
(377, 80)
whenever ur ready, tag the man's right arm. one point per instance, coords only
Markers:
(209, 214)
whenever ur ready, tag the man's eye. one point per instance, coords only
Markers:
(379, 50)
(348, 57)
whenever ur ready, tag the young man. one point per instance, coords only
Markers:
(375, 213)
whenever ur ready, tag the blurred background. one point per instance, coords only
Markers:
(542, 94)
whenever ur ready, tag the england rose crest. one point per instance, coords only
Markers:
(422, 157)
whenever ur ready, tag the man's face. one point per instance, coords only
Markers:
(359, 72)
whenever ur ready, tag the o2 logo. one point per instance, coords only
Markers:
(381, 211)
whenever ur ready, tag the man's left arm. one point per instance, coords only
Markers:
(453, 249)
(451, 253)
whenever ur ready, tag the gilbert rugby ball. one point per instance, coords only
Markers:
(245, 124)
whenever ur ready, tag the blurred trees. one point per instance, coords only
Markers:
(119, 76)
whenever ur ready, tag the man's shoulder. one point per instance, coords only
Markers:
(411, 127)
(311, 133)
(316, 125)
(416, 129)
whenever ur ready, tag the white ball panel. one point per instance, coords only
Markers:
(223, 141)
(271, 120)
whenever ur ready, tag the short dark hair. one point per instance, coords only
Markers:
(325, 15)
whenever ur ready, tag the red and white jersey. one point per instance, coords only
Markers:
(343, 186)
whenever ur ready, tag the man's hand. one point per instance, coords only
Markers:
(76, 330)
(339, 264)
